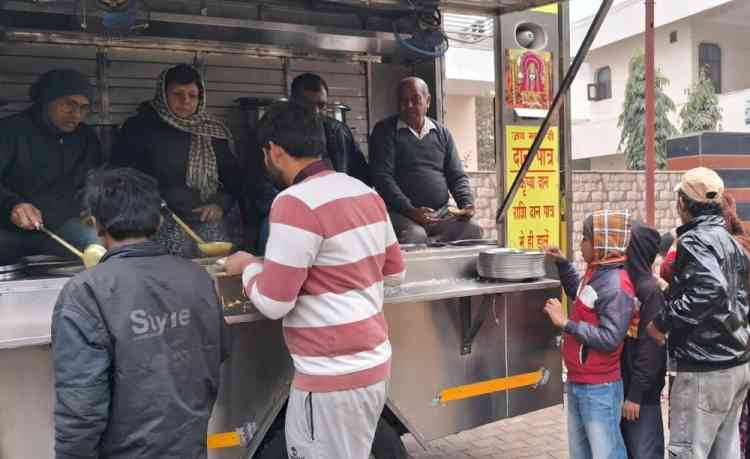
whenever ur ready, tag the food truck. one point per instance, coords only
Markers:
(468, 349)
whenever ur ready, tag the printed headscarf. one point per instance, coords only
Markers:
(609, 233)
(202, 170)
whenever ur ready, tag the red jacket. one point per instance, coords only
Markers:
(603, 309)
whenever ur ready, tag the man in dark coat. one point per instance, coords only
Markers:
(342, 150)
(416, 168)
(705, 322)
(45, 153)
(311, 91)
(136, 341)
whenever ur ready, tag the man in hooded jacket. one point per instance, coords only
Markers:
(45, 153)
(644, 362)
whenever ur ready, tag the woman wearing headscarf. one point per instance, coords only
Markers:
(644, 361)
(735, 228)
(602, 309)
(189, 152)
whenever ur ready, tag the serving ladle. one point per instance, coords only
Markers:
(91, 255)
(209, 249)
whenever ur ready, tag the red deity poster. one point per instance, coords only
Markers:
(528, 79)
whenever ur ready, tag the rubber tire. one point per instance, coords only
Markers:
(386, 445)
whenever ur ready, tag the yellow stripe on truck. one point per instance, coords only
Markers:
(491, 386)
(223, 440)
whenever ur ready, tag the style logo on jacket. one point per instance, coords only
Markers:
(145, 325)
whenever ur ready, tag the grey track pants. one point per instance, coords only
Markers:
(333, 425)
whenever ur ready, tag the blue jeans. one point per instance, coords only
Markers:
(594, 413)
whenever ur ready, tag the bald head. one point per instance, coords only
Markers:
(413, 101)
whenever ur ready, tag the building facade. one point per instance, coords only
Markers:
(698, 34)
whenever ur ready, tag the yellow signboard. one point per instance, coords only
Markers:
(551, 9)
(533, 219)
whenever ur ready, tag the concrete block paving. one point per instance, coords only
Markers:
(538, 435)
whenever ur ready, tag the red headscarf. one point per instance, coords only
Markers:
(733, 224)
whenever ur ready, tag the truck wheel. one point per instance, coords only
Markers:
(273, 447)
(386, 445)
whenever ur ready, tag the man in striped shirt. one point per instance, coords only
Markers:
(330, 252)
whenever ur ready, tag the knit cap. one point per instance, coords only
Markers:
(60, 83)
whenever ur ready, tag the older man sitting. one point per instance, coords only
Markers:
(416, 168)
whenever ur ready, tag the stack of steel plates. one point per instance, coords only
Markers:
(510, 264)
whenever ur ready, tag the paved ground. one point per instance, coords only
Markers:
(539, 435)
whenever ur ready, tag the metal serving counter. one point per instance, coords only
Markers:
(447, 328)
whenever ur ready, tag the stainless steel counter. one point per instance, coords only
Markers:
(447, 328)
(432, 274)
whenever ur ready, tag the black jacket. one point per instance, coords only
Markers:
(707, 305)
(644, 362)
(150, 145)
(344, 152)
(426, 176)
(137, 342)
(44, 167)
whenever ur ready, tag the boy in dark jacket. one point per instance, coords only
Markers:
(644, 361)
(593, 335)
(137, 340)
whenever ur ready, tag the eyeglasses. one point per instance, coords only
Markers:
(69, 107)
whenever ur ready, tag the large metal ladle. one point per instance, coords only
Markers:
(90, 255)
(209, 249)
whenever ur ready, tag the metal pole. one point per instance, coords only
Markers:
(650, 115)
(564, 87)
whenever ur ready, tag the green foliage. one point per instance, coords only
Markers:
(701, 112)
(632, 121)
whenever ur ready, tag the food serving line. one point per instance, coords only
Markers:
(448, 327)
(467, 349)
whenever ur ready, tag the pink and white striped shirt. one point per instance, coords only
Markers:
(330, 252)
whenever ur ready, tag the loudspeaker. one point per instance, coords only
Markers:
(530, 35)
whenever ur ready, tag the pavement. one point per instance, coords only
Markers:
(539, 435)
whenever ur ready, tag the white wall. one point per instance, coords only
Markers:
(627, 18)
(735, 51)
(733, 111)
(460, 118)
(595, 131)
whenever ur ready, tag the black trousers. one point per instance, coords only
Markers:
(644, 438)
(450, 229)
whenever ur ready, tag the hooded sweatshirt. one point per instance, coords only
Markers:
(644, 362)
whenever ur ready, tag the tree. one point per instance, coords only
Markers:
(701, 112)
(632, 121)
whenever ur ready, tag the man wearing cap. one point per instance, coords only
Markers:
(705, 323)
(45, 154)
